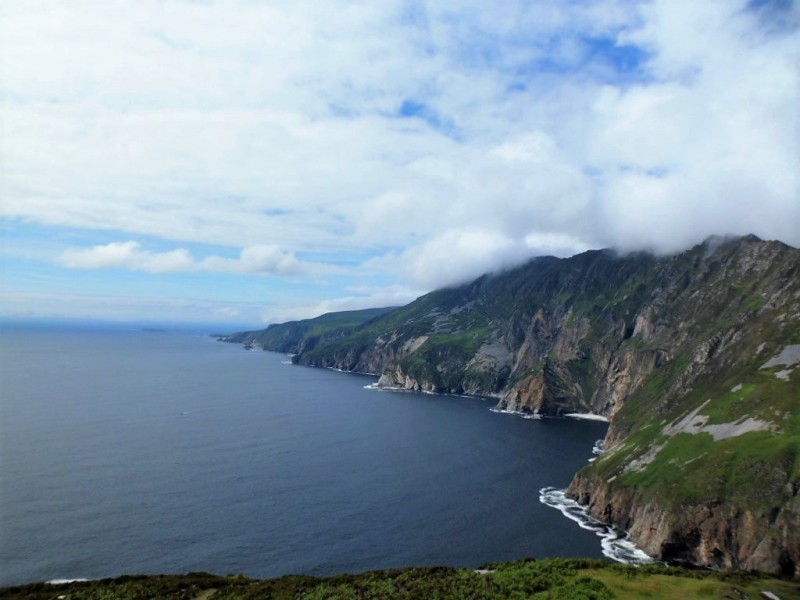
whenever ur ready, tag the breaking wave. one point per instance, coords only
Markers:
(517, 413)
(383, 388)
(598, 450)
(614, 542)
(395, 388)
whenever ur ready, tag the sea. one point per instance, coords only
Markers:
(131, 451)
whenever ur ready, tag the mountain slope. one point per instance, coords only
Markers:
(693, 357)
(296, 336)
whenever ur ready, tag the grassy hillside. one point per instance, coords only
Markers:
(556, 579)
(751, 468)
(294, 336)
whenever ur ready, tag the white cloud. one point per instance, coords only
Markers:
(263, 259)
(266, 259)
(453, 257)
(714, 146)
(554, 244)
(128, 255)
(277, 128)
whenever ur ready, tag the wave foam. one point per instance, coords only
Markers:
(598, 450)
(614, 542)
(516, 413)
(599, 447)
(395, 388)
(587, 417)
(350, 372)
(384, 388)
(65, 581)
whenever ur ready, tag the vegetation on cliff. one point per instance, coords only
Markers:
(297, 336)
(556, 579)
(693, 357)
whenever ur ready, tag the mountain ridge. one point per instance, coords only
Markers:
(294, 337)
(682, 353)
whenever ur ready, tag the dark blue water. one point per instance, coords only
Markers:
(144, 452)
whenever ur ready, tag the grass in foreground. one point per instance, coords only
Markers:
(556, 579)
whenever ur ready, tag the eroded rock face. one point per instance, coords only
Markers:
(626, 372)
(528, 396)
(717, 534)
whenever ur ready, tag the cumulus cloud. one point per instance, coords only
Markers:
(701, 148)
(128, 255)
(453, 257)
(426, 141)
(263, 259)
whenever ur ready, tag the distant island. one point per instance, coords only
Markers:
(693, 358)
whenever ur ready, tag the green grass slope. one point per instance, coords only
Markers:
(555, 579)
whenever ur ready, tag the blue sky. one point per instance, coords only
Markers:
(246, 162)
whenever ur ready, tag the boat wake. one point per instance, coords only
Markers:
(614, 542)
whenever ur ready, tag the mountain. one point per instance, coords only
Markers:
(692, 357)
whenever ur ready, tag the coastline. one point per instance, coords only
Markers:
(588, 417)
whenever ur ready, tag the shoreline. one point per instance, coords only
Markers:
(588, 417)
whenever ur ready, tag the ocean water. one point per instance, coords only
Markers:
(127, 452)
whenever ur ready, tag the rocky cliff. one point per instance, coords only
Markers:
(692, 357)
(704, 455)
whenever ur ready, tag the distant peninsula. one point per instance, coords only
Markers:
(693, 358)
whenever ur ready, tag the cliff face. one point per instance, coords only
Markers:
(704, 456)
(757, 530)
(540, 337)
(692, 357)
(577, 334)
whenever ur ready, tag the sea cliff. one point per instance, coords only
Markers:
(692, 357)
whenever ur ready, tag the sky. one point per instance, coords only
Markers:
(248, 162)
